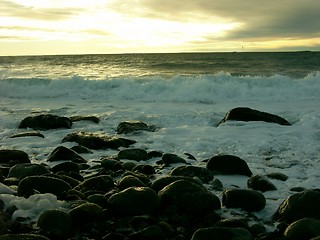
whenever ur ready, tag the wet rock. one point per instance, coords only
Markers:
(277, 176)
(136, 154)
(248, 200)
(45, 122)
(130, 181)
(133, 126)
(97, 141)
(144, 178)
(86, 214)
(66, 167)
(216, 184)
(134, 201)
(103, 183)
(23, 237)
(260, 183)
(303, 229)
(85, 118)
(28, 134)
(229, 165)
(55, 224)
(219, 233)
(64, 153)
(247, 114)
(21, 171)
(299, 205)
(144, 169)
(153, 232)
(188, 198)
(160, 183)
(98, 199)
(169, 158)
(81, 149)
(111, 164)
(203, 174)
(42, 184)
(13, 157)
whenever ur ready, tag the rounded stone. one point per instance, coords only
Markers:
(21, 171)
(303, 229)
(86, 214)
(103, 183)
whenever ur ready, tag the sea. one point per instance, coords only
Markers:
(184, 95)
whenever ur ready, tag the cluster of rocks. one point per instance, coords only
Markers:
(128, 200)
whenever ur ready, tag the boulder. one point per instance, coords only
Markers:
(103, 183)
(247, 114)
(136, 154)
(300, 205)
(66, 167)
(160, 183)
(42, 184)
(21, 171)
(130, 181)
(13, 157)
(134, 201)
(248, 200)
(85, 118)
(303, 229)
(27, 134)
(144, 169)
(229, 165)
(55, 224)
(97, 140)
(260, 183)
(133, 126)
(64, 153)
(203, 174)
(278, 176)
(220, 233)
(184, 197)
(46, 122)
(86, 214)
(170, 158)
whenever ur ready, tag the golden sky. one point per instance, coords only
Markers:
(128, 26)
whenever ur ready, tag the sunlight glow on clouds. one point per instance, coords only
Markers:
(115, 26)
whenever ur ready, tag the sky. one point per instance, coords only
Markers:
(41, 27)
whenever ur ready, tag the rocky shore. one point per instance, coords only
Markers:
(127, 197)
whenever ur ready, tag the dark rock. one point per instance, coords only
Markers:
(257, 229)
(169, 158)
(154, 154)
(86, 214)
(160, 183)
(248, 200)
(111, 164)
(64, 153)
(85, 118)
(145, 179)
(218, 233)
(98, 199)
(248, 114)
(229, 165)
(153, 232)
(188, 198)
(21, 171)
(134, 201)
(278, 176)
(103, 183)
(136, 154)
(13, 157)
(203, 174)
(81, 149)
(66, 167)
(216, 184)
(97, 141)
(42, 184)
(28, 134)
(144, 169)
(45, 122)
(260, 183)
(133, 126)
(24, 236)
(298, 189)
(233, 223)
(55, 224)
(130, 181)
(299, 205)
(303, 229)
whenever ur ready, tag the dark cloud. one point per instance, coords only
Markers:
(11, 9)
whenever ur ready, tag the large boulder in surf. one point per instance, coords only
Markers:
(12, 157)
(247, 114)
(45, 122)
(97, 140)
(133, 126)
(228, 165)
(64, 153)
(300, 205)
(204, 174)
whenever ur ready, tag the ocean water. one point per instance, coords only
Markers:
(184, 96)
